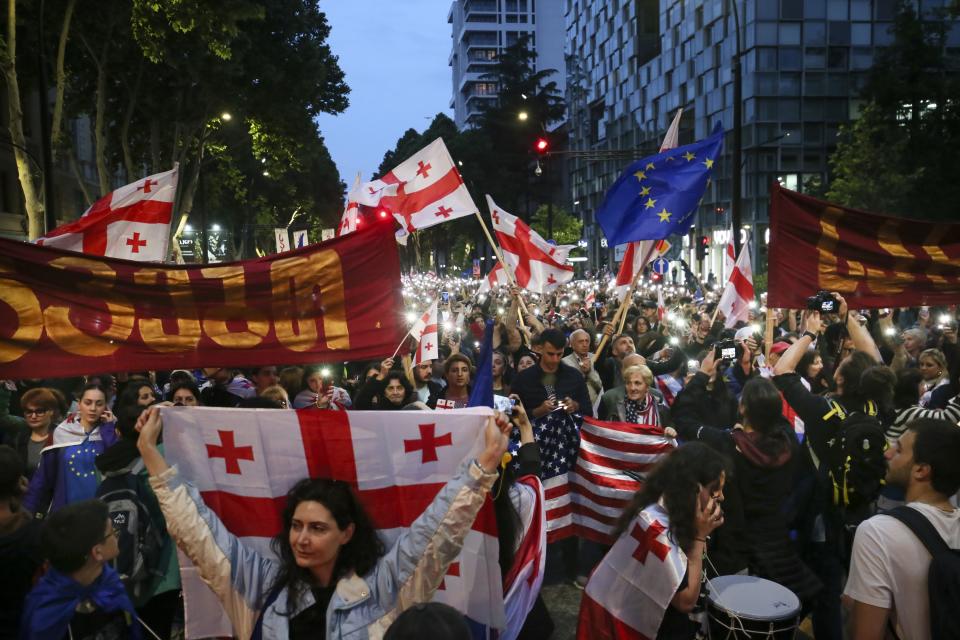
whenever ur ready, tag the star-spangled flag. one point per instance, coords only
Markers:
(669, 387)
(613, 460)
(243, 462)
(630, 590)
(736, 297)
(426, 333)
(635, 258)
(522, 583)
(423, 190)
(132, 222)
(656, 196)
(537, 265)
(558, 436)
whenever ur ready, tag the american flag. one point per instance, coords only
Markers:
(613, 460)
(558, 436)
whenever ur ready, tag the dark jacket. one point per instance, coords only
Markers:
(755, 533)
(610, 373)
(529, 387)
(696, 406)
(370, 397)
(611, 406)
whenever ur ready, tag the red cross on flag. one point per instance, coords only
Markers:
(537, 265)
(425, 331)
(637, 255)
(243, 462)
(132, 222)
(735, 301)
(351, 210)
(631, 588)
(423, 190)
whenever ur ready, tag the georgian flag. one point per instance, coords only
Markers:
(637, 255)
(351, 210)
(423, 190)
(132, 223)
(537, 265)
(243, 462)
(496, 278)
(630, 590)
(729, 259)
(425, 331)
(735, 300)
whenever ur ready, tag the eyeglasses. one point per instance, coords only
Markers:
(35, 412)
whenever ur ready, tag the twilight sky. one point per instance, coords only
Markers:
(394, 55)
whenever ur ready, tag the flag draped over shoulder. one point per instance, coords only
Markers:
(613, 460)
(243, 462)
(656, 196)
(537, 265)
(132, 222)
(630, 590)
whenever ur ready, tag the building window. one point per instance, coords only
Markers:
(791, 10)
(839, 33)
(813, 9)
(815, 33)
(815, 58)
(790, 59)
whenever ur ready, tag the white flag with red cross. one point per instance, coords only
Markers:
(425, 331)
(243, 462)
(630, 590)
(729, 259)
(132, 223)
(423, 190)
(537, 265)
(637, 255)
(737, 295)
(350, 219)
(496, 278)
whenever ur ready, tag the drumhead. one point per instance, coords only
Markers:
(753, 598)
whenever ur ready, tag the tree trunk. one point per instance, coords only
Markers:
(132, 173)
(155, 156)
(8, 56)
(56, 134)
(99, 135)
(75, 166)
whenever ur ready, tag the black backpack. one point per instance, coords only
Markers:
(141, 531)
(854, 461)
(943, 579)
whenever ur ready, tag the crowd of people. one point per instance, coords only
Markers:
(802, 434)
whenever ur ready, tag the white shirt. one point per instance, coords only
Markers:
(889, 567)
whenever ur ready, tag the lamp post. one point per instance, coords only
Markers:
(736, 195)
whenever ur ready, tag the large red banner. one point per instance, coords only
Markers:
(872, 260)
(65, 313)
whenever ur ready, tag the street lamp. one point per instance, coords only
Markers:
(522, 116)
(226, 116)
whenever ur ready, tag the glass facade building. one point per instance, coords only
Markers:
(481, 29)
(632, 63)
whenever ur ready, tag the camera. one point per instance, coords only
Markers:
(725, 350)
(824, 302)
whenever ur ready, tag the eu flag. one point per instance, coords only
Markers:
(656, 196)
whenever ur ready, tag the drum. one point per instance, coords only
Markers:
(747, 607)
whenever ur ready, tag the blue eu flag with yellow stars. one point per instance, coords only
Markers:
(658, 195)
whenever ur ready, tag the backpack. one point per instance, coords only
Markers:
(854, 462)
(141, 531)
(943, 578)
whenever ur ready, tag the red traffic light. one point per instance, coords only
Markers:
(655, 277)
(541, 145)
(704, 241)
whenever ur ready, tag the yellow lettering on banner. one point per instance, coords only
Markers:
(294, 301)
(828, 275)
(234, 308)
(72, 339)
(931, 246)
(188, 323)
(889, 241)
(25, 304)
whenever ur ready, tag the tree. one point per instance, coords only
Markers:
(567, 229)
(897, 157)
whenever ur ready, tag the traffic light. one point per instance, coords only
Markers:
(541, 146)
(703, 243)
(655, 277)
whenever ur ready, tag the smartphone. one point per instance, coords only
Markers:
(726, 350)
(445, 297)
(503, 404)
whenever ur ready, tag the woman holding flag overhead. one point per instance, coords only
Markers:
(333, 572)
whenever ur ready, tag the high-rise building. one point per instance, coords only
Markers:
(632, 63)
(481, 29)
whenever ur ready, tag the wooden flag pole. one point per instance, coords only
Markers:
(621, 310)
(506, 267)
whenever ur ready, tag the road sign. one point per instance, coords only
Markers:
(661, 265)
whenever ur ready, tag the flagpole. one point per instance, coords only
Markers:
(622, 310)
(172, 247)
(503, 263)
